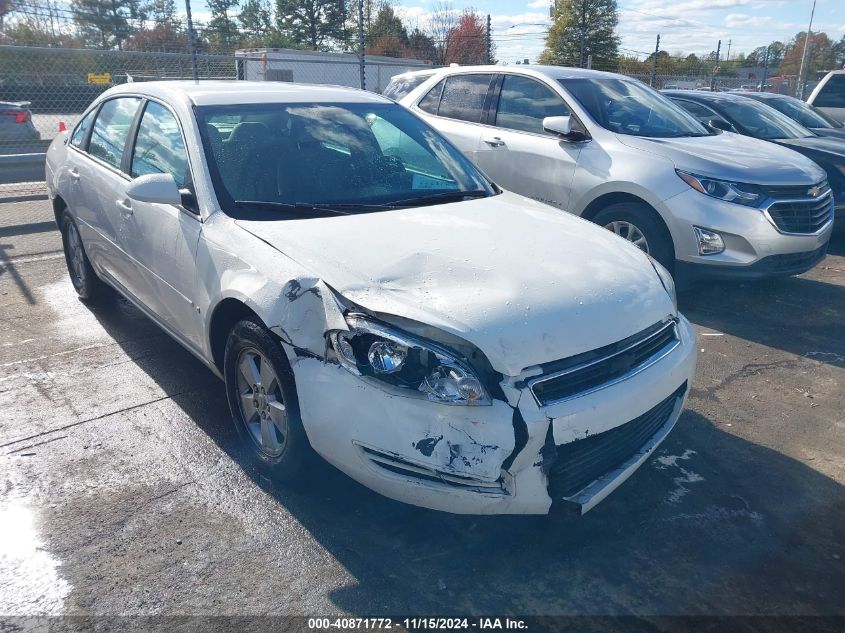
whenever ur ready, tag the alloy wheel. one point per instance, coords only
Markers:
(630, 232)
(260, 402)
(76, 256)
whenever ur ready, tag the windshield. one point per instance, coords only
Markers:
(801, 112)
(629, 107)
(297, 157)
(761, 121)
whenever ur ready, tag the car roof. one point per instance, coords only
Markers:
(217, 92)
(537, 70)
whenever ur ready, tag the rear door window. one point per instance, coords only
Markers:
(832, 94)
(464, 96)
(111, 129)
(524, 103)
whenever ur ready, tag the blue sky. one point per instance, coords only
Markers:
(688, 26)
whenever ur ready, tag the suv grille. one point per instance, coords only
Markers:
(599, 368)
(579, 463)
(806, 216)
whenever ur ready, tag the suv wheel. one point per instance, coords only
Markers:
(263, 401)
(638, 224)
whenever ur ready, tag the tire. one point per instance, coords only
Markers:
(265, 407)
(630, 220)
(87, 284)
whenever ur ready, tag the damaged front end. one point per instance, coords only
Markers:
(421, 416)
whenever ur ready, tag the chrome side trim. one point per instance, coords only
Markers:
(659, 355)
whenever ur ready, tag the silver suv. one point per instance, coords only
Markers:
(709, 204)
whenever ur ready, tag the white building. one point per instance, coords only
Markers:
(316, 67)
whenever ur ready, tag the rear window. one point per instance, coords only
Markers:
(402, 85)
(463, 97)
(832, 94)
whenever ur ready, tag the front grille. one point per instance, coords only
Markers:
(590, 371)
(802, 216)
(579, 463)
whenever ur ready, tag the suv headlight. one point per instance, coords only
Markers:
(380, 352)
(738, 193)
(666, 279)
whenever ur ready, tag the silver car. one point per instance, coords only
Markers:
(606, 147)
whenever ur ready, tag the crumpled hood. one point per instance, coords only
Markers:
(734, 157)
(523, 282)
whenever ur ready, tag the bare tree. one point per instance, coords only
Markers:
(444, 18)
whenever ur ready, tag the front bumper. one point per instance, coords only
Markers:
(483, 460)
(754, 248)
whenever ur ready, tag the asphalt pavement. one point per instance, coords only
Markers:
(122, 490)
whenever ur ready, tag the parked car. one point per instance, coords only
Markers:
(735, 113)
(16, 122)
(801, 112)
(614, 151)
(364, 290)
(829, 95)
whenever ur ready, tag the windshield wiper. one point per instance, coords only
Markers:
(435, 198)
(293, 206)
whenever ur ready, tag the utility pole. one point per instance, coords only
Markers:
(715, 66)
(654, 62)
(802, 83)
(728, 56)
(363, 69)
(489, 41)
(583, 33)
(765, 70)
(192, 39)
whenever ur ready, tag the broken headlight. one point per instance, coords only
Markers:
(403, 361)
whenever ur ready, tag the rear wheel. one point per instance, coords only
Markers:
(88, 286)
(641, 226)
(263, 402)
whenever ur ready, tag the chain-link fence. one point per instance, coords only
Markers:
(43, 90)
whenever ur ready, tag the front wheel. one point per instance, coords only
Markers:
(641, 226)
(263, 401)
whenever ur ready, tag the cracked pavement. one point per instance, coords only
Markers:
(122, 491)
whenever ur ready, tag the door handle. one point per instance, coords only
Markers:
(125, 207)
(493, 141)
(74, 174)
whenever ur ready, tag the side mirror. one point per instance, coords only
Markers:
(560, 125)
(719, 124)
(156, 188)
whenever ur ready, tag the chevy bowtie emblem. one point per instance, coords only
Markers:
(814, 191)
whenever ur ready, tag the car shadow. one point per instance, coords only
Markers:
(799, 315)
(713, 524)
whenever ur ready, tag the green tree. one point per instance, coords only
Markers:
(256, 19)
(581, 28)
(422, 46)
(163, 13)
(386, 24)
(315, 24)
(222, 30)
(105, 23)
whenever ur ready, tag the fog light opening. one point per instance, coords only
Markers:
(709, 242)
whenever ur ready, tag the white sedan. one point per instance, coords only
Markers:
(367, 293)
